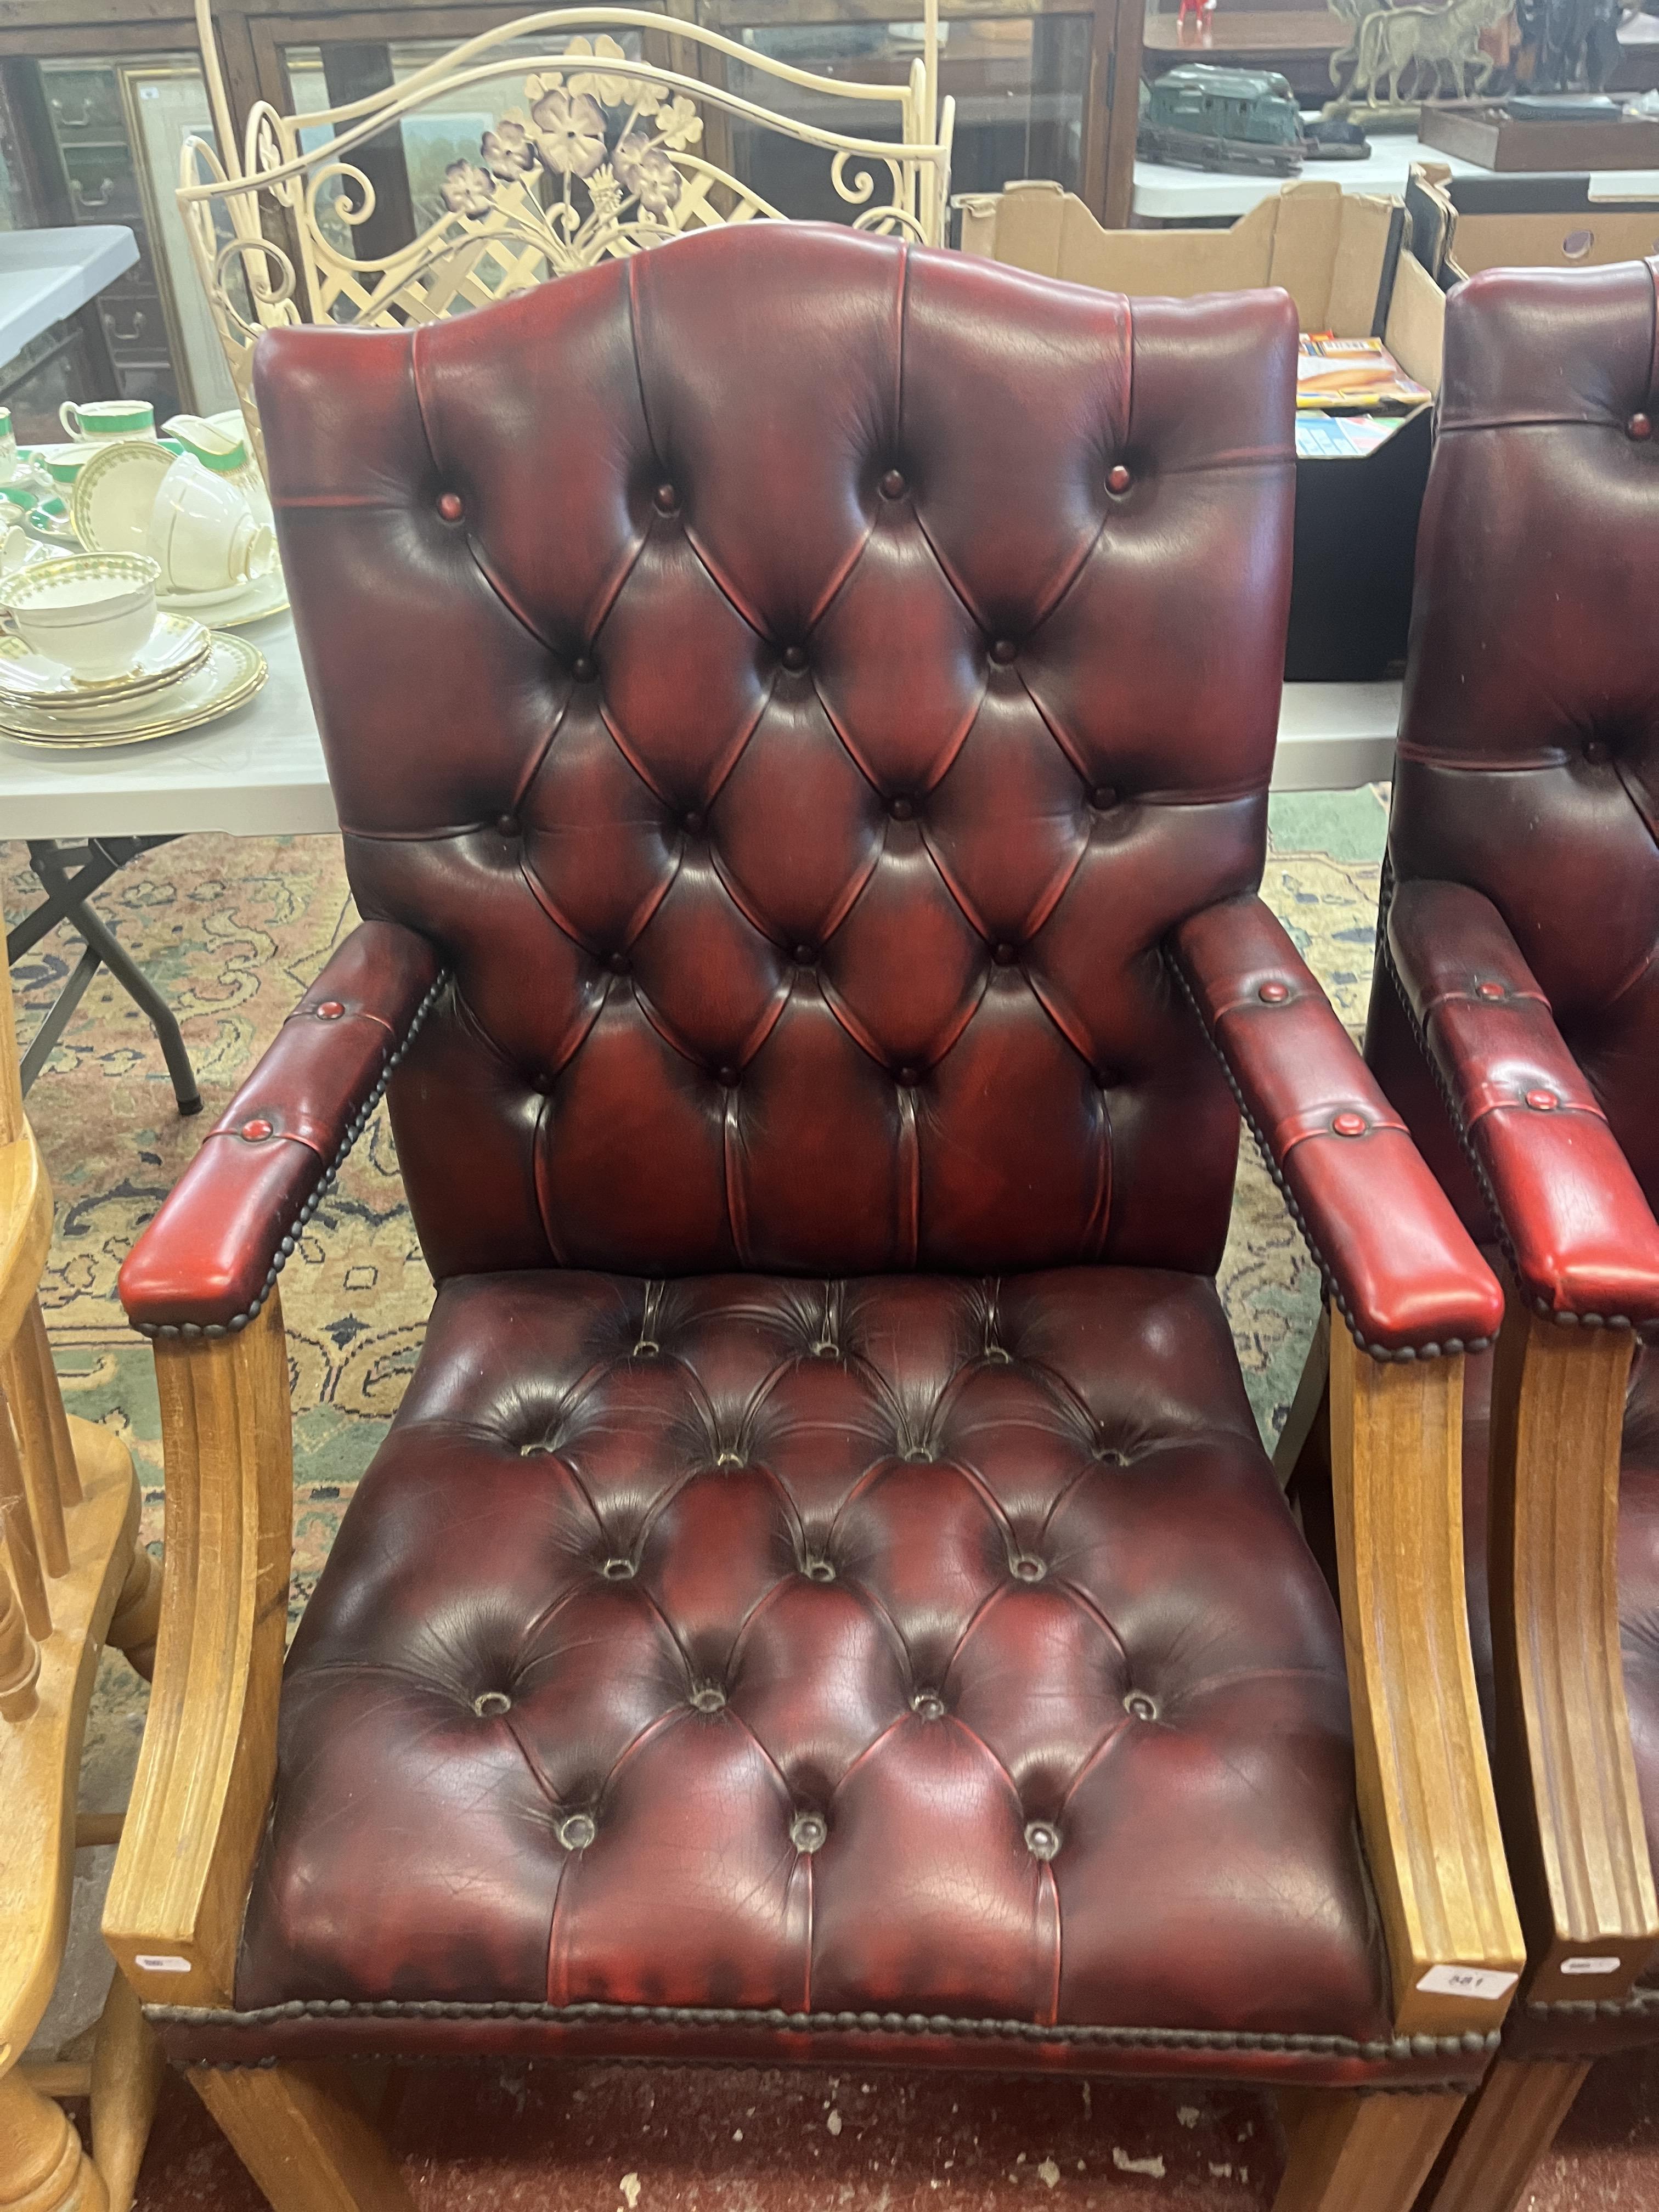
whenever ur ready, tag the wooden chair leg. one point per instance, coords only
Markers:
(1509, 2127)
(1362, 2154)
(43, 2168)
(301, 2134)
(127, 2071)
(137, 1615)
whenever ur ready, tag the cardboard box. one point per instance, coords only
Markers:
(1340, 255)
(1462, 224)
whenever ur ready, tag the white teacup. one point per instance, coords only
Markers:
(91, 612)
(204, 534)
(94, 420)
(18, 550)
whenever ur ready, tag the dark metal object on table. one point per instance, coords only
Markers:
(93, 863)
(1335, 138)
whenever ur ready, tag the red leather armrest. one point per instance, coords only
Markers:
(204, 1264)
(1405, 1273)
(1578, 1231)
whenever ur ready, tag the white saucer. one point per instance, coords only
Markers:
(173, 649)
(236, 605)
(111, 503)
(233, 672)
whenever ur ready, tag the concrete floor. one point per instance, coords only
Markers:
(660, 2139)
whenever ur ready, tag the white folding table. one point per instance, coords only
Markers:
(1164, 193)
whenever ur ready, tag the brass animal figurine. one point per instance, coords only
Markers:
(1442, 44)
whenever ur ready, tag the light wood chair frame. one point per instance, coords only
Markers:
(73, 1577)
(1566, 1768)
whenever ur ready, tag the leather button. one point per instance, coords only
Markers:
(805, 956)
(1139, 1706)
(618, 1570)
(1274, 995)
(576, 1831)
(256, 1131)
(582, 669)
(694, 823)
(1349, 1125)
(1103, 797)
(1596, 752)
(900, 809)
(1118, 478)
(727, 1077)
(665, 499)
(329, 1010)
(1542, 1102)
(927, 1705)
(1026, 1569)
(541, 1083)
(491, 1702)
(1489, 990)
(794, 657)
(618, 964)
(1005, 955)
(1003, 651)
(819, 1570)
(809, 1831)
(710, 1698)
(906, 1078)
(1639, 426)
(920, 1456)
(1042, 1838)
(893, 485)
(450, 506)
(1110, 1456)
(508, 825)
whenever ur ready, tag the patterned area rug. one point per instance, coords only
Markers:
(233, 931)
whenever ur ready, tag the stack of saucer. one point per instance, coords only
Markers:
(93, 661)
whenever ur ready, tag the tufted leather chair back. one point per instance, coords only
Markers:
(798, 681)
(1529, 758)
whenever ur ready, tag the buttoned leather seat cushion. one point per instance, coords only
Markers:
(907, 1644)
(1586, 2027)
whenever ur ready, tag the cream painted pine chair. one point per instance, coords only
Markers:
(72, 1578)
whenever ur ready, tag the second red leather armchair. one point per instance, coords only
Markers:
(1515, 1019)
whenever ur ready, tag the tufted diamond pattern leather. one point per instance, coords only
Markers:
(1529, 773)
(1528, 760)
(835, 750)
(943, 1646)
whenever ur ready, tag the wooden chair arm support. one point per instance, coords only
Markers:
(210, 1753)
(1566, 1769)
(1426, 1805)
(25, 1229)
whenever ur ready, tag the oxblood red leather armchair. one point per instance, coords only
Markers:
(1516, 1021)
(800, 712)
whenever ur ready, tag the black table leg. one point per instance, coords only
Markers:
(67, 900)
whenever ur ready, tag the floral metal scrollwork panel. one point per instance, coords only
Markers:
(595, 151)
